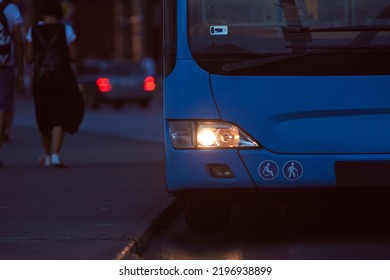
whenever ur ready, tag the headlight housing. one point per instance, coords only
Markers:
(208, 135)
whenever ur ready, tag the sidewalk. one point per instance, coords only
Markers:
(103, 206)
(130, 122)
(145, 125)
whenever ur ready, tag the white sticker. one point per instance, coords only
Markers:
(218, 30)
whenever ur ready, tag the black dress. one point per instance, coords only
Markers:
(58, 105)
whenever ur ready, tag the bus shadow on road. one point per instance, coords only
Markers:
(359, 214)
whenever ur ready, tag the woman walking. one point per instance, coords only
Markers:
(59, 106)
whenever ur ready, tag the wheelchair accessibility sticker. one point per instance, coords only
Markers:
(268, 170)
(292, 170)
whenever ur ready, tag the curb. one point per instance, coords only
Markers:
(138, 244)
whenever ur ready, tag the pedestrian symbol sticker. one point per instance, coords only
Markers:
(292, 170)
(268, 170)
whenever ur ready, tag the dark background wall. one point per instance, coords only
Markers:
(110, 29)
(117, 29)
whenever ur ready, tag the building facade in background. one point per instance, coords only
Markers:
(110, 29)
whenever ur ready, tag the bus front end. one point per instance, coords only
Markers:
(275, 95)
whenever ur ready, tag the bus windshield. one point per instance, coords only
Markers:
(272, 37)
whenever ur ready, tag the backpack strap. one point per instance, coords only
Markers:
(3, 19)
(5, 49)
(43, 41)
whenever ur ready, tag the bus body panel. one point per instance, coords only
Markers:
(183, 49)
(309, 115)
(317, 171)
(189, 170)
(187, 93)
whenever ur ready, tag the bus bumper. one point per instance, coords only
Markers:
(189, 170)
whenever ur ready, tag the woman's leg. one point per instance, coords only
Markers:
(8, 125)
(58, 137)
(2, 125)
(46, 143)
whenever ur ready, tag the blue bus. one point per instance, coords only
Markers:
(274, 95)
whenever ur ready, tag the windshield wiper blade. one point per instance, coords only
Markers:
(245, 64)
(356, 28)
(341, 47)
(316, 49)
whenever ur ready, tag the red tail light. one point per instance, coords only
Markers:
(149, 83)
(104, 84)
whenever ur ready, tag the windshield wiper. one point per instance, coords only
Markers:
(295, 26)
(245, 64)
(223, 48)
(356, 28)
(316, 49)
(341, 47)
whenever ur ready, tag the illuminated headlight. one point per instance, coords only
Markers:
(208, 135)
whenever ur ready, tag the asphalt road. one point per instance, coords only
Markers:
(112, 188)
(322, 228)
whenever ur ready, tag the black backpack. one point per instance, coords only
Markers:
(5, 36)
(50, 61)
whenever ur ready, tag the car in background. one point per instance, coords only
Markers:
(116, 83)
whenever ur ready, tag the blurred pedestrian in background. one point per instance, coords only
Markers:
(59, 106)
(11, 55)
